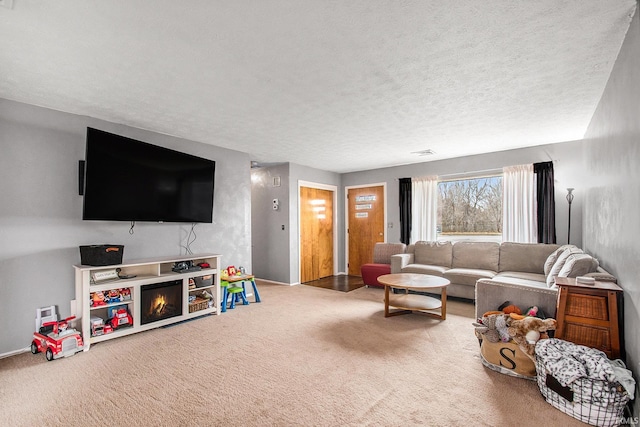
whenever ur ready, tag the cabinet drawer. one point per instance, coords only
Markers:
(591, 307)
(590, 336)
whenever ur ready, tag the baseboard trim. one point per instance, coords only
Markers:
(15, 352)
(273, 282)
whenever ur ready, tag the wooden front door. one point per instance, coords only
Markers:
(316, 234)
(365, 224)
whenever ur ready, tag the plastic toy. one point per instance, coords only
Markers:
(120, 318)
(97, 326)
(97, 299)
(113, 295)
(55, 337)
(125, 294)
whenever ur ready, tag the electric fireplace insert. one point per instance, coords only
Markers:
(160, 301)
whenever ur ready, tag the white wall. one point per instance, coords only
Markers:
(612, 207)
(40, 213)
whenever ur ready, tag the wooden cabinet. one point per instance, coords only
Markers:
(139, 299)
(590, 315)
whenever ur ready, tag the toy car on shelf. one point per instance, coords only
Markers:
(120, 318)
(56, 339)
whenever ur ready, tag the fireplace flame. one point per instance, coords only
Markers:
(158, 305)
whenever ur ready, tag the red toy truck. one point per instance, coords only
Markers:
(120, 318)
(55, 337)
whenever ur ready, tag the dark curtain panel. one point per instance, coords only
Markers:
(546, 202)
(405, 210)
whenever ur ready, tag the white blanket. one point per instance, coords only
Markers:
(576, 366)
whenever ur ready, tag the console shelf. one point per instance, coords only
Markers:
(200, 285)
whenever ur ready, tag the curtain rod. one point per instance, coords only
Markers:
(480, 172)
(462, 174)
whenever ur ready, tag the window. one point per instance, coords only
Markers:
(470, 209)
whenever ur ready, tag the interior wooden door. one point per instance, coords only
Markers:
(366, 224)
(316, 234)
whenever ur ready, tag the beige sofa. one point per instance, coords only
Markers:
(492, 273)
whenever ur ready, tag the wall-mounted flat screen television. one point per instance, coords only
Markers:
(130, 180)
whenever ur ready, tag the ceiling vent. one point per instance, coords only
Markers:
(427, 152)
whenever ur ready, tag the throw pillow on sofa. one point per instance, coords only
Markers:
(551, 260)
(578, 265)
(555, 270)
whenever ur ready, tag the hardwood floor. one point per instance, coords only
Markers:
(341, 283)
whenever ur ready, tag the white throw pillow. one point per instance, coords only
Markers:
(578, 265)
(551, 259)
(555, 270)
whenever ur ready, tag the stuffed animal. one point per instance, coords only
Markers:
(526, 332)
(509, 308)
(494, 327)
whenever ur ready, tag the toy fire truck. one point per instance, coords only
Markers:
(55, 337)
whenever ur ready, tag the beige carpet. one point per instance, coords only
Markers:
(304, 356)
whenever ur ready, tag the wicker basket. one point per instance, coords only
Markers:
(198, 304)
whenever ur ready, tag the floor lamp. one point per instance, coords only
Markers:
(569, 199)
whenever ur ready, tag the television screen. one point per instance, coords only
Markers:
(130, 180)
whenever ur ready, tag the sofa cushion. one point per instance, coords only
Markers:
(525, 257)
(433, 270)
(382, 252)
(476, 255)
(553, 257)
(433, 253)
(531, 277)
(555, 270)
(467, 276)
(578, 265)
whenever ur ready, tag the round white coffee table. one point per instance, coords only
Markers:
(406, 302)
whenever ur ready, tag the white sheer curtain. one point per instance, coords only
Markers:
(519, 218)
(424, 208)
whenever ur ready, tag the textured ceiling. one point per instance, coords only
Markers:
(337, 85)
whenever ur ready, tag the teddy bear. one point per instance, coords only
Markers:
(527, 331)
(493, 327)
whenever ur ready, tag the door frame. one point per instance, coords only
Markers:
(334, 190)
(346, 216)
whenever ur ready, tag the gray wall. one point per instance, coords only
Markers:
(568, 171)
(40, 213)
(276, 252)
(270, 243)
(612, 207)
